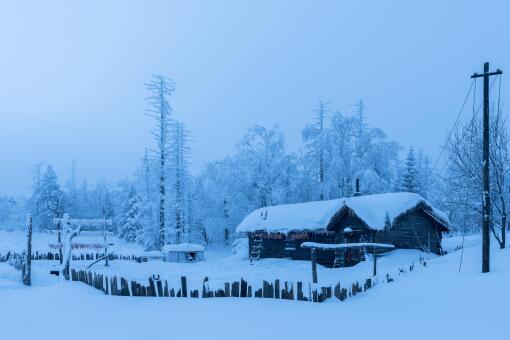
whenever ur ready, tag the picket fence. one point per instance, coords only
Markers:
(156, 287)
(75, 257)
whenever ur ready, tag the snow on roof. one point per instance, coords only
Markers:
(183, 247)
(288, 217)
(371, 209)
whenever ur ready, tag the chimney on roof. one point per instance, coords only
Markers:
(357, 192)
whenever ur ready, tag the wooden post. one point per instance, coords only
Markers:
(205, 288)
(244, 288)
(184, 287)
(159, 286)
(235, 289)
(375, 261)
(59, 239)
(165, 291)
(27, 272)
(227, 289)
(314, 265)
(300, 295)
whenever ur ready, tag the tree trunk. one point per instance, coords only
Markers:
(59, 239)
(502, 244)
(68, 248)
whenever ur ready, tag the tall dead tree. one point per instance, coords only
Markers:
(315, 137)
(160, 89)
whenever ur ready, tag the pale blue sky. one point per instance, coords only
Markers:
(72, 75)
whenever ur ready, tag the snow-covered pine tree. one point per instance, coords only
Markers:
(179, 164)
(160, 88)
(47, 199)
(146, 183)
(359, 117)
(410, 179)
(131, 225)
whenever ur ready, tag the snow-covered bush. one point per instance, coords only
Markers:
(240, 248)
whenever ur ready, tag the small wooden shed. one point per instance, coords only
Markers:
(184, 252)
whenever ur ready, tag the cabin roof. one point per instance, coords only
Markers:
(373, 210)
(183, 247)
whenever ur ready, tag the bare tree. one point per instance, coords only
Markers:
(160, 89)
(463, 183)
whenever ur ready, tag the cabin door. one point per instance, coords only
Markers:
(352, 255)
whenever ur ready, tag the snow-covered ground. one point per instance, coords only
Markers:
(433, 302)
(220, 266)
(16, 241)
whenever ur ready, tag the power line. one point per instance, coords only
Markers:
(475, 115)
(454, 124)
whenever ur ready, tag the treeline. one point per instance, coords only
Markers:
(207, 207)
(164, 203)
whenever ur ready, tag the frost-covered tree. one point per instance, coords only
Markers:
(315, 143)
(47, 199)
(179, 163)
(410, 178)
(263, 160)
(463, 185)
(160, 88)
(355, 150)
(131, 226)
(12, 212)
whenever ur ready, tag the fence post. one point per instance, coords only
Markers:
(235, 289)
(159, 285)
(300, 295)
(184, 287)
(205, 288)
(244, 288)
(27, 272)
(166, 289)
(227, 289)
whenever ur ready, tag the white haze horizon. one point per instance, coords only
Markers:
(72, 84)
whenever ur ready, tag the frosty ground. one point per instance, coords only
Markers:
(430, 302)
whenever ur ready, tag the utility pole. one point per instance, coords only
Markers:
(486, 208)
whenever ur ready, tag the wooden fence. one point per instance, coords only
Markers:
(75, 257)
(156, 287)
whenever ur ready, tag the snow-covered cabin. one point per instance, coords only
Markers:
(403, 219)
(184, 252)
